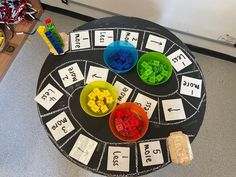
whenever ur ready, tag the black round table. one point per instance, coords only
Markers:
(177, 105)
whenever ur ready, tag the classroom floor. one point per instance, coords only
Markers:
(26, 151)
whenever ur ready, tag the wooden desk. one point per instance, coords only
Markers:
(14, 45)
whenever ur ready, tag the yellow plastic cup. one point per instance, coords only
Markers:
(89, 88)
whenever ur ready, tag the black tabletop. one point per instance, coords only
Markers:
(177, 105)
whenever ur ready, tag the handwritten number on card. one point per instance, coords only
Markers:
(64, 129)
(134, 39)
(147, 106)
(156, 151)
(66, 77)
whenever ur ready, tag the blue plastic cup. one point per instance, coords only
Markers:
(120, 56)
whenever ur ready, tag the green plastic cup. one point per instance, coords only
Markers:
(89, 88)
(154, 68)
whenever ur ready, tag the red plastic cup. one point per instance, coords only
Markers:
(136, 111)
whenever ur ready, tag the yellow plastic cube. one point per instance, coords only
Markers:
(101, 96)
(41, 30)
(96, 91)
(95, 108)
(100, 103)
(91, 103)
(92, 96)
(104, 109)
(109, 100)
(106, 93)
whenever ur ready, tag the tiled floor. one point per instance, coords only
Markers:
(26, 151)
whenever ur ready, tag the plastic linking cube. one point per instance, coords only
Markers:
(153, 71)
(51, 27)
(54, 42)
(127, 123)
(121, 60)
(99, 100)
(41, 30)
(51, 37)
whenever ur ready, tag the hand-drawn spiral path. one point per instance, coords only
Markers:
(176, 105)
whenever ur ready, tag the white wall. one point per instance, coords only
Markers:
(208, 19)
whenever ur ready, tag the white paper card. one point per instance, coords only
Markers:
(148, 104)
(118, 158)
(179, 60)
(191, 86)
(156, 43)
(80, 40)
(173, 109)
(60, 126)
(83, 149)
(104, 38)
(151, 153)
(96, 73)
(70, 75)
(123, 92)
(129, 36)
(48, 97)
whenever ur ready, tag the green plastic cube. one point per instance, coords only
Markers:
(152, 80)
(141, 70)
(156, 63)
(51, 27)
(164, 73)
(145, 64)
(159, 78)
(144, 77)
(148, 72)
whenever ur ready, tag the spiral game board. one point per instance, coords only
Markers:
(177, 105)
